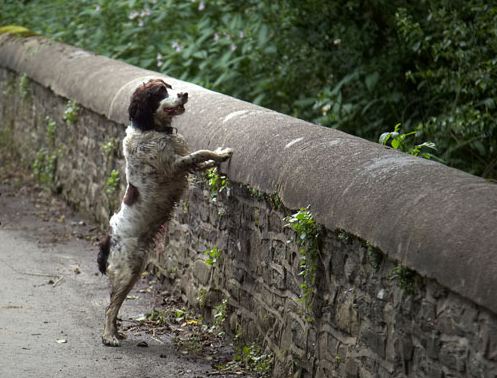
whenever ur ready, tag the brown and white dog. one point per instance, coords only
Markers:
(157, 165)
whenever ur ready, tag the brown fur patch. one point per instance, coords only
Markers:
(103, 254)
(131, 195)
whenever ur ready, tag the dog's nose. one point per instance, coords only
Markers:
(183, 95)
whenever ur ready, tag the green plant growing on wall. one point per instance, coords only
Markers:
(375, 257)
(307, 238)
(112, 182)
(402, 142)
(217, 182)
(213, 256)
(71, 113)
(405, 277)
(275, 201)
(51, 131)
(44, 167)
(109, 147)
(343, 236)
(24, 86)
(254, 193)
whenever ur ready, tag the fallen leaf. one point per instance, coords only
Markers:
(61, 341)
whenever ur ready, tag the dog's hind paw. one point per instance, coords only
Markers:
(110, 340)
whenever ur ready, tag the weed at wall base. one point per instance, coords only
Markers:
(44, 167)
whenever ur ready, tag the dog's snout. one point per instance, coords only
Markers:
(183, 95)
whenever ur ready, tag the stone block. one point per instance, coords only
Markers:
(453, 354)
(375, 338)
(202, 272)
(346, 316)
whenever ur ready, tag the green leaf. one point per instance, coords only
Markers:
(372, 80)
(384, 138)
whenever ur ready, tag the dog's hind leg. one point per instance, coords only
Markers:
(124, 270)
(121, 285)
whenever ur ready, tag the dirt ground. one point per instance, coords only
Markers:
(52, 302)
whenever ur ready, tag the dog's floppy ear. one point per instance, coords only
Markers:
(145, 101)
(161, 81)
(140, 113)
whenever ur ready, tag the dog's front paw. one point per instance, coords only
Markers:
(224, 153)
(110, 340)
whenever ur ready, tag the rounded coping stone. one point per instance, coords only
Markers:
(438, 221)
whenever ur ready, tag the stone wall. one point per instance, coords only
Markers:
(84, 153)
(375, 312)
(363, 322)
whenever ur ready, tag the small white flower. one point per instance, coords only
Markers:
(132, 15)
(242, 34)
(232, 47)
(337, 41)
(97, 8)
(325, 109)
(141, 23)
(159, 59)
(176, 46)
(201, 6)
(216, 37)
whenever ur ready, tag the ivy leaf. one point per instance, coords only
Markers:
(395, 143)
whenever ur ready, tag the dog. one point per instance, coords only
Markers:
(158, 162)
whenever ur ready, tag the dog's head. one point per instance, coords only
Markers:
(152, 106)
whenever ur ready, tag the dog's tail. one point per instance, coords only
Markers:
(103, 254)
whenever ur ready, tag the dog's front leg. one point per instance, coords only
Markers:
(200, 159)
(205, 165)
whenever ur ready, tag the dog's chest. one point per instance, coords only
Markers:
(150, 156)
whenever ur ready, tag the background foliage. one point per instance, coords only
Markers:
(358, 65)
